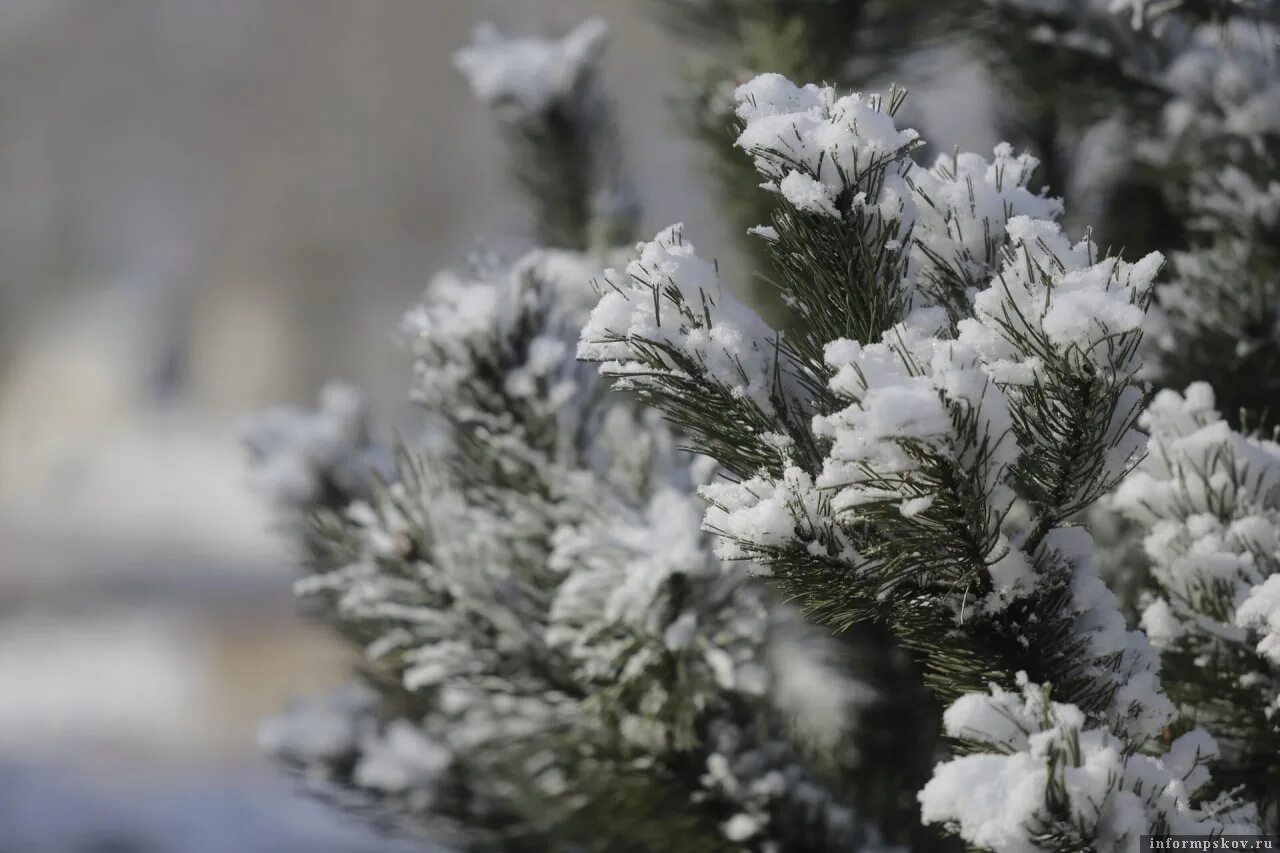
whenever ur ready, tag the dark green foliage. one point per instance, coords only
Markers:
(1210, 688)
(571, 175)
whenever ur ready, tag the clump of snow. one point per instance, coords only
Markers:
(904, 392)
(964, 204)
(319, 732)
(1226, 82)
(1261, 612)
(1051, 290)
(1036, 760)
(304, 458)
(807, 193)
(671, 297)
(1117, 660)
(401, 759)
(817, 696)
(474, 322)
(916, 399)
(762, 514)
(812, 145)
(530, 75)
(1207, 497)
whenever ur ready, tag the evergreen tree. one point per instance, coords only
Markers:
(576, 634)
(554, 659)
(847, 43)
(1200, 93)
(962, 386)
(1164, 117)
(1206, 497)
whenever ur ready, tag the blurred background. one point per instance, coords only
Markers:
(208, 207)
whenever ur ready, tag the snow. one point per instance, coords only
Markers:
(1206, 496)
(1220, 120)
(820, 698)
(530, 75)
(807, 193)
(577, 559)
(759, 514)
(1261, 612)
(813, 144)
(904, 391)
(1037, 758)
(988, 798)
(665, 296)
(997, 298)
(964, 203)
(1226, 82)
(911, 507)
(299, 455)
(905, 394)
(1118, 660)
(1051, 289)
(402, 759)
(318, 731)
(742, 826)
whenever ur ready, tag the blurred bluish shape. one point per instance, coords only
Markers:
(44, 810)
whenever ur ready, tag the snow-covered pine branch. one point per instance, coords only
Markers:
(844, 42)
(1206, 497)
(552, 655)
(560, 648)
(558, 123)
(324, 458)
(1210, 143)
(1193, 89)
(964, 383)
(1220, 313)
(540, 612)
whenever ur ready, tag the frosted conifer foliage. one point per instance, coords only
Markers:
(535, 588)
(552, 655)
(530, 74)
(915, 455)
(1206, 498)
(573, 634)
(309, 458)
(1196, 88)
(558, 123)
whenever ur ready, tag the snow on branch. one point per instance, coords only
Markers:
(971, 376)
(543, 619)
(530, 75)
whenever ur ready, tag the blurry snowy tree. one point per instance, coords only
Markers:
(554, 657)
(577, 636)
(1162, 120)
